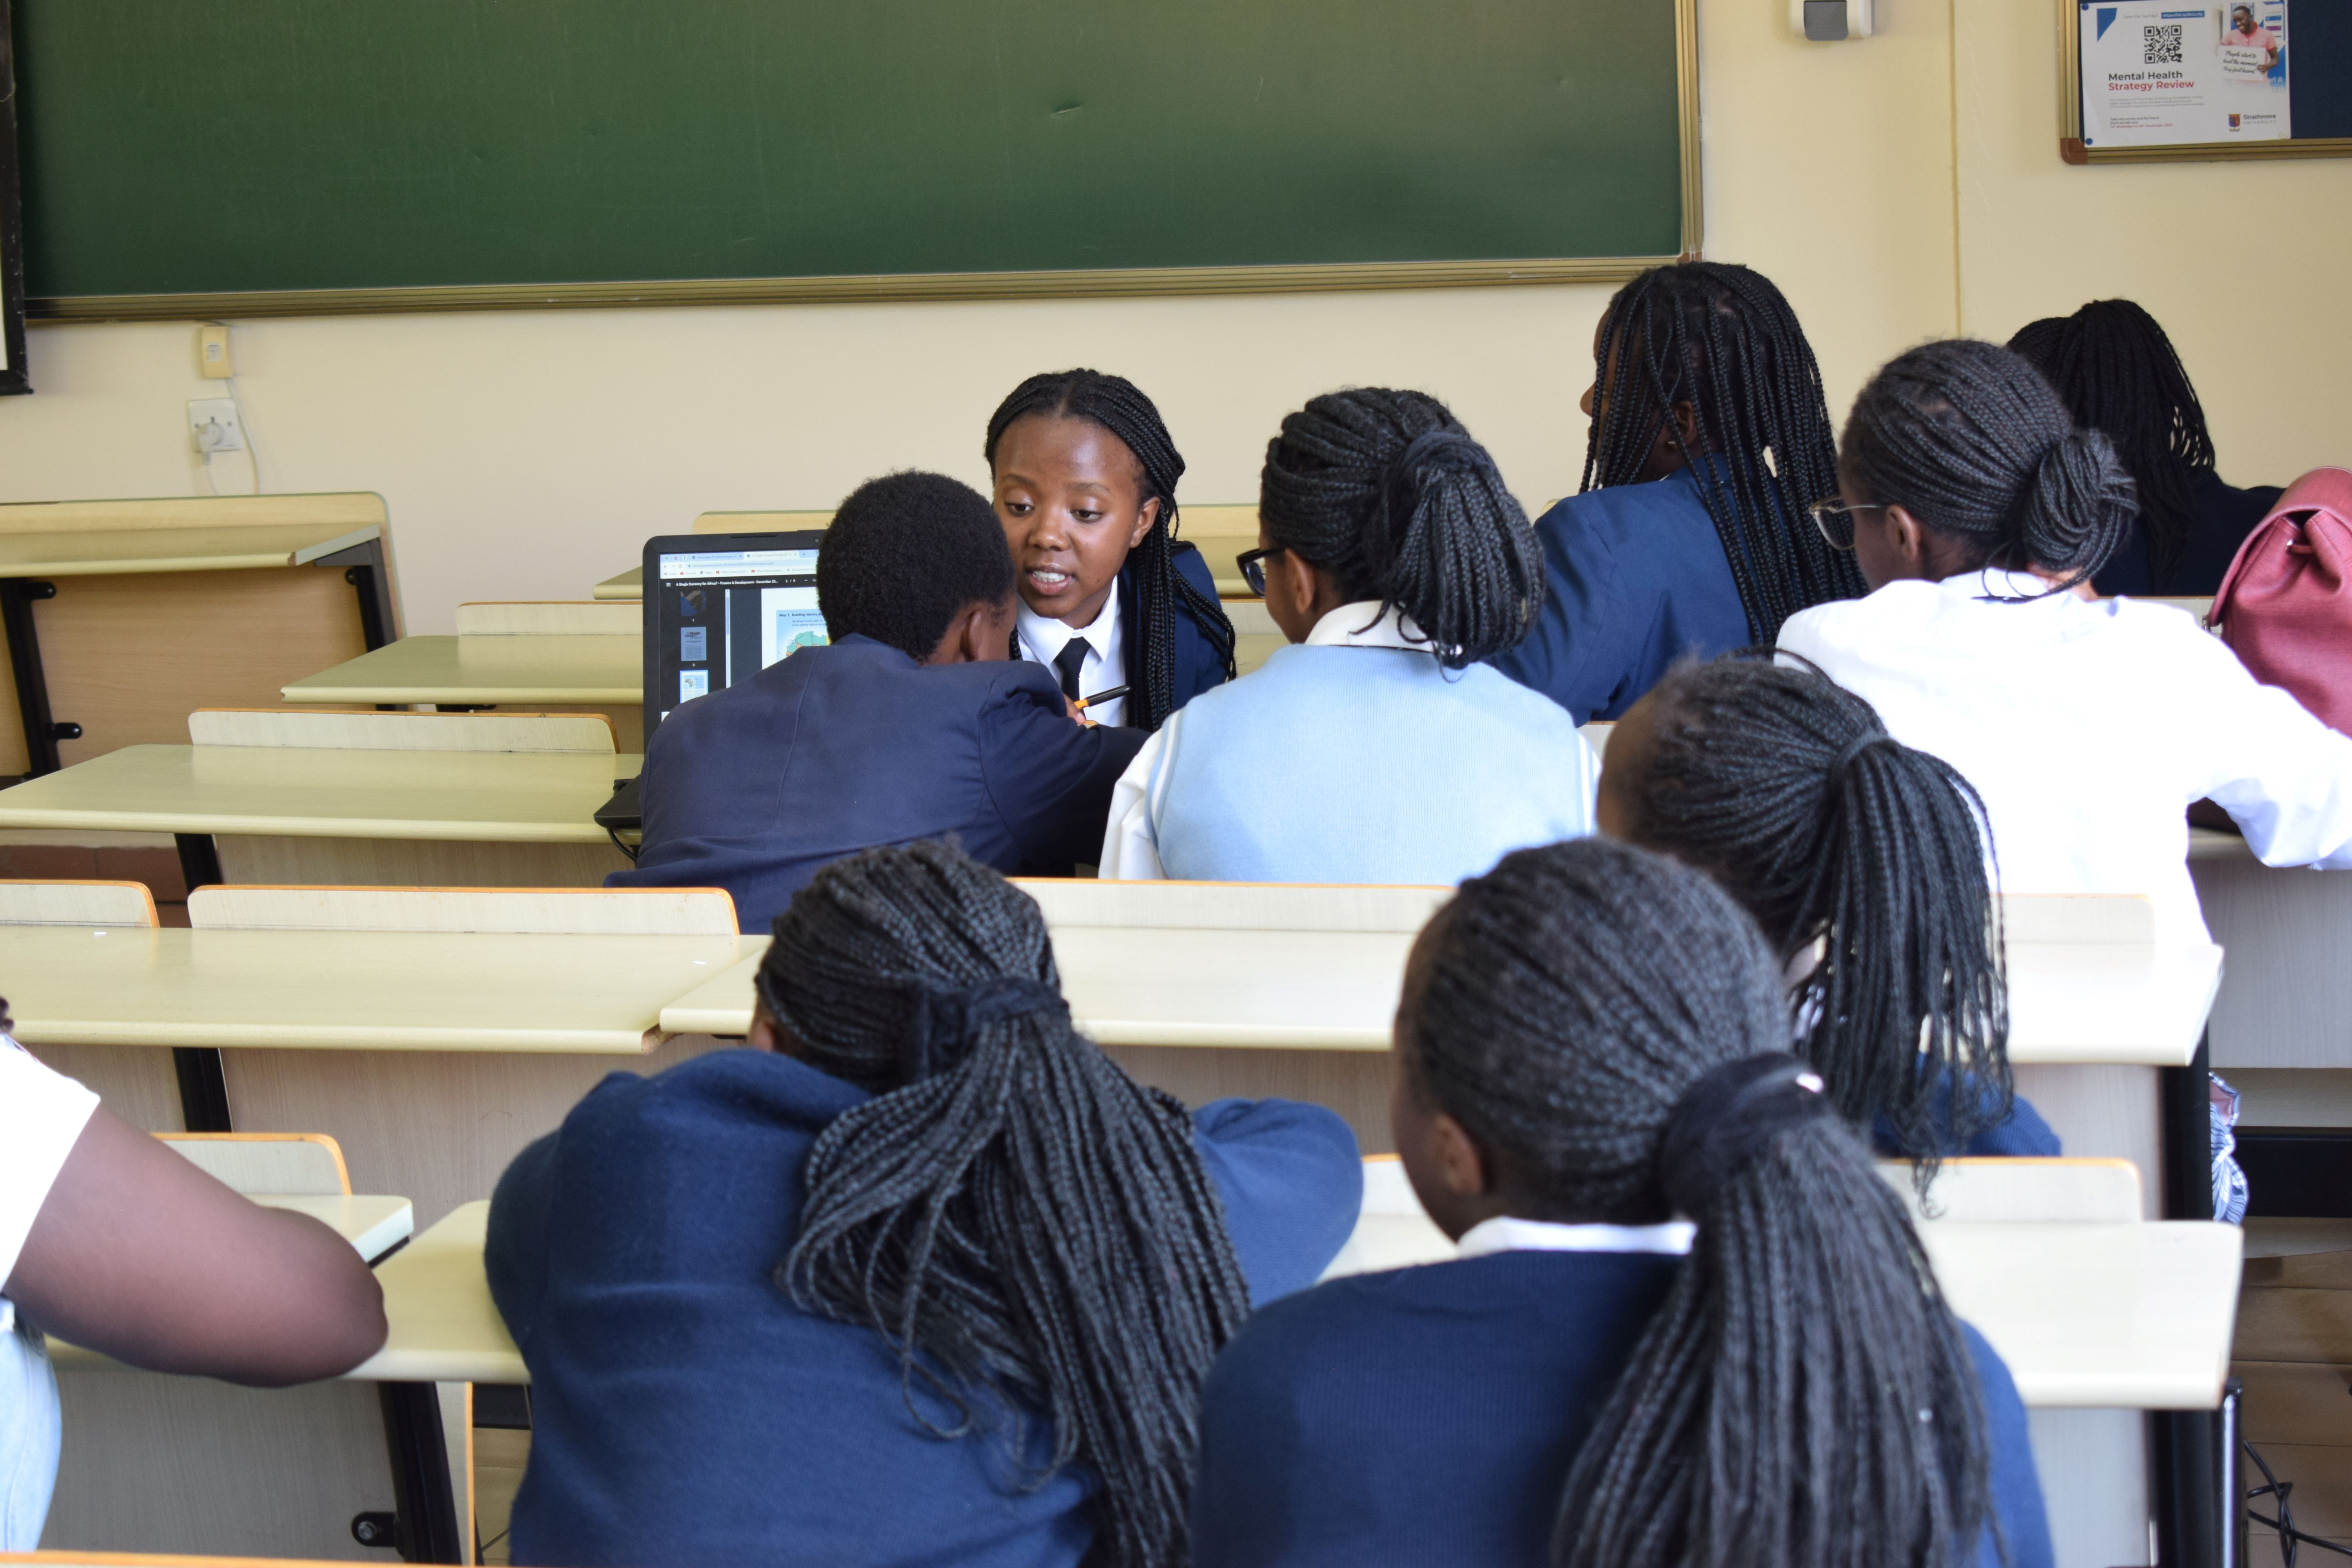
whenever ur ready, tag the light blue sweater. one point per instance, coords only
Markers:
(1337, 763)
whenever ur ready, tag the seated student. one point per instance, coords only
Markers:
(113, 1241)
(923, 1276)
(2118, 374)
(1862, 860)
(913, 722)
(1086, 487)
(1708, 440)
(1381, 749)
(1978, 511)
(1591, 1089)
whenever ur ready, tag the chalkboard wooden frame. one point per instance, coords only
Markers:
(2069, 119)
(15, 377)
(1069, 284)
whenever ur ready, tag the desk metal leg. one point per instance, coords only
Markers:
(429, 1528)
(42, 731)
(2194, 1450)
(204, 1086)
(364, 568)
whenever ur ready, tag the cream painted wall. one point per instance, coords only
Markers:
(529, 454)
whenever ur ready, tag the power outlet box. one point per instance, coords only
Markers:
(212, 354)
(214, 427)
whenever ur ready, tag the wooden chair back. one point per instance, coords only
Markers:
(554, 911)
(296, 1164)
(313, 729)
(35, 902)
(762, 522)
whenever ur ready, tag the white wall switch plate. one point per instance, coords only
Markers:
(213, 425)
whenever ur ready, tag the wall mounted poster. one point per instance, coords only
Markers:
(2167, 74)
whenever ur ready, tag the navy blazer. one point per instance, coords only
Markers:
(1198, 668)
(1430, 1415)
(2225, 515)
(846, 747)
(1634, 578)
(685, 1410)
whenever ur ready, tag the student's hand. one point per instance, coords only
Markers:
(1070, 706)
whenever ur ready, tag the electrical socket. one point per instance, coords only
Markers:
(212, 354)
(214, 427)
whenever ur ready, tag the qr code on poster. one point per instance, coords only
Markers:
(2163, 45)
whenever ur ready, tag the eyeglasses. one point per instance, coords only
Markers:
(1253, 565)
(1834, 517)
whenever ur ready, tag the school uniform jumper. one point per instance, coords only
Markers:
(2089, 726)
(1351, 757)
(854, 745)
(1634, 578)
(2224, 515)
(1430, 1415)
(684, 1409)
(1115, 656)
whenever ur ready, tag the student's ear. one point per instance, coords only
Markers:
(1907, 537)
(1144, 518)
(980, 633)
(1686, 425)
(1457, 1160)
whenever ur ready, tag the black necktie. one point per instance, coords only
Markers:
(1068, 661)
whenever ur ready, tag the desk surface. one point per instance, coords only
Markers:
(104, 551)
(2131, 1315)
(570, 670)
(2070, 1003)
(512, 797)
(629, 584)
(326, 990)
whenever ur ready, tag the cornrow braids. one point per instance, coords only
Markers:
(1120, 406)
(1969, 439)
(1723, 339)
(1011, 1208)
(1803, 1397)
(1789, 792)
(1387, 491)
(2119, 373)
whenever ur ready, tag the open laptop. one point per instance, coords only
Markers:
(718, 609)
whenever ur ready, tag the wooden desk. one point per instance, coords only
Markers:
(148, 609)
(629, 584)
(372, 817)
(2286, 1001)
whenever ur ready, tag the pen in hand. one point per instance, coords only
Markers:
(1078, 708)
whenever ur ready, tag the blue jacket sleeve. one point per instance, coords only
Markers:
(1198, 665)
(514, 1252)
(2024, 1135)
(1578, 650)
(2017, 1507)
(1293, 1184)
(1049, 777)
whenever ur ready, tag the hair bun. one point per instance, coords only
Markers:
(2077, 505)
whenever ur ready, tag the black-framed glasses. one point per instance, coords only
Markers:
(1834, 517)
(1253, 565)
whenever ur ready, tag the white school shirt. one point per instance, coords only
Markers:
(1131, 852)
(41, 1114)
(2089, 726)
(1042, 639)
(1506, 1233)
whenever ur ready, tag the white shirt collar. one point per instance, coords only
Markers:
(1042, 638)
(1504, 1234)
(1361, 625)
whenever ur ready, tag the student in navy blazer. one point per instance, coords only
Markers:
(1709, 439)
(745, 1348)
(911, 724)
(1085, 474)
(1685, 1309)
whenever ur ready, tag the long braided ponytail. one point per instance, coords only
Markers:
(1611, 1024)
(1723, 339)
(1120, 406)
(1789, 792)
(1969, 439)
(1387, 491)
(2118, 374)
(1011, 1206)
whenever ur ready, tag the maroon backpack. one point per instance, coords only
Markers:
(2285, 605)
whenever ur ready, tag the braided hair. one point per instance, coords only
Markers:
(1011, 1207)
(1120, 406)
(1723, 339)
(1789, 792)
(2119, 373)
(1971, 441)
(1803, 1397)
(1388, 492)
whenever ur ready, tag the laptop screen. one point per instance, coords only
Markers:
(721, 607)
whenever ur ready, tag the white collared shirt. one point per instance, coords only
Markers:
(1042, 639)
(1506, 1233)
(1131, 850)
(2089, 726)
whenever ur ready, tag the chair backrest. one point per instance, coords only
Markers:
(2045, 1191)
(552, 618)
(762, 521)
(563, 911)
(1220, 533)
(580, 734)
(2062, 918)
(347, 512)
(296, 1164)
(32, 902)
(1234, 906)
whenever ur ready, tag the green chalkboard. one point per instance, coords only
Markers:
(256, 146)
